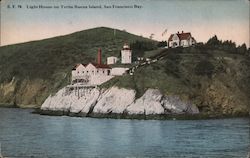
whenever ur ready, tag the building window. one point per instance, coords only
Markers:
(174, 44)
(103, 71)
(83, 72)
(78, 72)
(87, 71)
(97, 71)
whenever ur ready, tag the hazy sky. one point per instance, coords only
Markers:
(228, 19)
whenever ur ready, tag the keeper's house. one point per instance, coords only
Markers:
(181, 40)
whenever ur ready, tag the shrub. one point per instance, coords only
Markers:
(242, 49)
(139, 47)
(174, 57)
(213, 41)
(204, 68)
(162, 44)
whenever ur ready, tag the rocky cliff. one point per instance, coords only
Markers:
(116, 100)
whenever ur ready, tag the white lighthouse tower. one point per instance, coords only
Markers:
(126, 54)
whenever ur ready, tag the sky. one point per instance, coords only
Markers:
(228, 19)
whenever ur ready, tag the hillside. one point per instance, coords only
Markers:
(215, 80)
(30, 71)
(214, 76)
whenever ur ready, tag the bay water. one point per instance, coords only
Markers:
(26, 135)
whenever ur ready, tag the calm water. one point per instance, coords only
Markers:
(23, 134)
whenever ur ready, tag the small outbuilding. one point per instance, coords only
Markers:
(112, 60)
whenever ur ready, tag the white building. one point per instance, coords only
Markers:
(119, 71)
(112, 60)
(126, 54)
(84, 74)
(92, 73)
(181, 40)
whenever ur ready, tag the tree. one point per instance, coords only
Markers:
(213, 41)
(228, 45)
(242, 49)
(139, 47)
(162, 44)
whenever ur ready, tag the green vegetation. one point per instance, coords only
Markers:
(162, 44)
(204, 68)
(216, 80)
(227, 45)
(42, 59)
(46, 65)
(214, 76)
(139, 47)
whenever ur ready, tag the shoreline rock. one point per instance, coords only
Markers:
(200, 116)
(115, 101)
(120, 103)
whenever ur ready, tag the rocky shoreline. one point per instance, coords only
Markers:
(120, 103)
(200, 116)
(116, 101)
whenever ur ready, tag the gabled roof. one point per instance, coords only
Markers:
(182, 36)
(102, 66)
(171, 37)
(76, 66)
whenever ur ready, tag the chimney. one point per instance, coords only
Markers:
(181, 31)
(99, 56)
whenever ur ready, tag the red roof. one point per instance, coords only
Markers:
(102, 66)
(171, 37)
(182, 36)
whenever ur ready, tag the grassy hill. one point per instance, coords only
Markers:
(30, 71)
(216, 80)
(214, 76)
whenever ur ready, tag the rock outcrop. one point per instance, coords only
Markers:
(72, 102)
(117, 101)
(114, 100)
(149, 103)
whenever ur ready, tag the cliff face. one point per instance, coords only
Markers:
(30, 92)
(227, 90)
(217, 82)
(117, 101)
